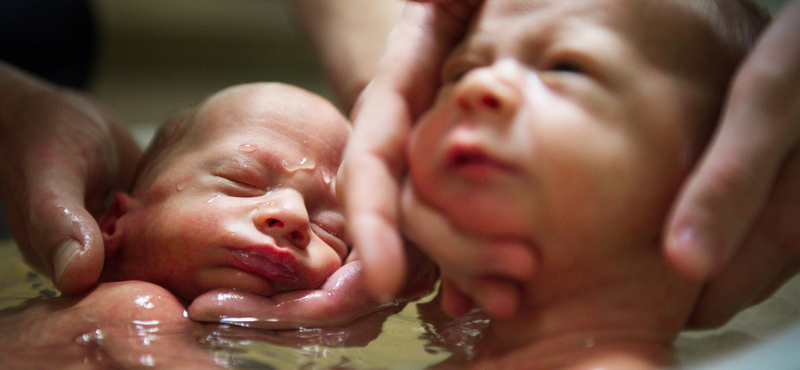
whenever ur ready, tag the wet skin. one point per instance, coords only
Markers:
(246, 203)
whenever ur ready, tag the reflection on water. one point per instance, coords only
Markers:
(384, 340)
(138, 329)
(135, 325)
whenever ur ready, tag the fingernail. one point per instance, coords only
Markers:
(64, 255)
(694, 252)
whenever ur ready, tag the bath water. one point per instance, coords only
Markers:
(416, 336)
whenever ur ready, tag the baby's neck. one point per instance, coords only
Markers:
(625, 321)
(572, 348)
(578, 352)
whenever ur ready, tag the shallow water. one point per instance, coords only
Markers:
(416, 337)
(386, 340)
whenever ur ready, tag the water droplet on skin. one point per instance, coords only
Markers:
(145, 330)
(327, 177)
(143, 323)
(261, 205)
(144, 302)
(90, 339)
(304, 164)
(147, 360)
(238, 320)
(248, 148)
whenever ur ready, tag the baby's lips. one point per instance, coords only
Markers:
(475, 161)
(271, 263)
(470, 145)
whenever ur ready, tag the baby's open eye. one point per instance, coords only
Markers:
(567, 66)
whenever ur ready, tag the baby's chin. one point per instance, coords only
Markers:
(486, 211)
(485, 219)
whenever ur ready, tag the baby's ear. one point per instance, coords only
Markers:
(110, 223)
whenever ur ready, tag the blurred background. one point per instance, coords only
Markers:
(155, 56)
(152, 57)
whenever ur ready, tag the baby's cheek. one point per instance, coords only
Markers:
(423, 152)
(323, 266)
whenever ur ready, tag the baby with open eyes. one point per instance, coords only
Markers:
(236, 193)
(568, 127)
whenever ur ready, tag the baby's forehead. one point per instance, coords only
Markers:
(269, 106)
(555, 11)
(655, 28)
(276, 119)
(636, 19)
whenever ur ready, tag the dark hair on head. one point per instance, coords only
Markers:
(756, 9)
(740, 22)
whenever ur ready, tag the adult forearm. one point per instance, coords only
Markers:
(20, 90)
(14, 86)
(349, 37)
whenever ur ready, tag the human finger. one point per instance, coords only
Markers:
(472, 269)
(457, 251)
(404, 85)
(759, 128)
(769, 256)
(498, 297)
(61, 157)
(342, 299)
(60, 238)
(454, 302)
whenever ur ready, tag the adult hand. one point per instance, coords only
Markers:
(341, 299)
(60, 155)
(58, 333)
(404, 86)
(736, 220)
(358, 333)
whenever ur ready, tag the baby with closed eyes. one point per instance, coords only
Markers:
(236, 193)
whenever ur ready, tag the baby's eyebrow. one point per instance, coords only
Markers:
(250, 156)
(231, 163)
(476, 46)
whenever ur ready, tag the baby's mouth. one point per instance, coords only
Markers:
(469, 158)
(475, 161)
(270, 263)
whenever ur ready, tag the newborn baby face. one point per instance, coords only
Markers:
(248, 203)
(553, 127)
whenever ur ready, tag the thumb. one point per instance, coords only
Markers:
(716, 208)
(60, 235)
(68, 243)
(730, 186)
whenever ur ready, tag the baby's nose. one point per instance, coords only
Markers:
(284, 216)
(489, 90)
